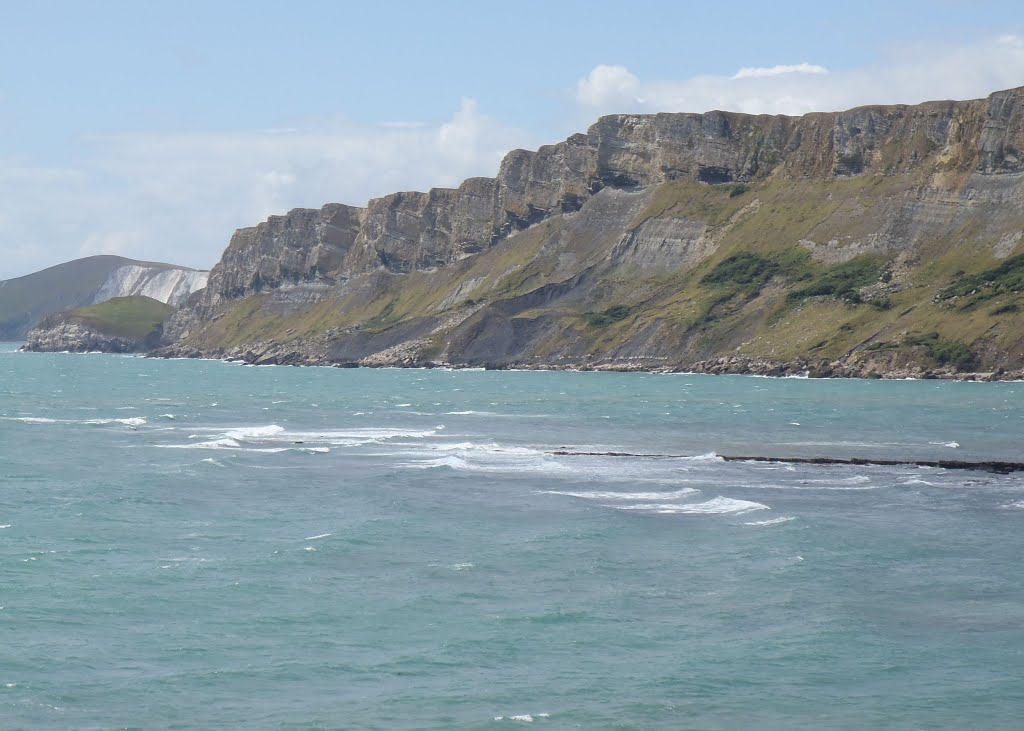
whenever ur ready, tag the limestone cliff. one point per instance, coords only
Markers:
(836, 242)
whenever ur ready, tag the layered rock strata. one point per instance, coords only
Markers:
(627, 216)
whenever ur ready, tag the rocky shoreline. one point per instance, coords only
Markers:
(75, 336)
(732, 365)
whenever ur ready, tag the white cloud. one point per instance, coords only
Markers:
(606, 83)
(179, 197)
(912, 74)
(758, 72)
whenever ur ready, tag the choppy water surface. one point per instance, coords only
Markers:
(203, 545)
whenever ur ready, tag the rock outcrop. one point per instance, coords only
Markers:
(130, 324)
(596, 250)
(59, 335)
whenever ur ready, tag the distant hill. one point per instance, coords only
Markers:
(25, 301)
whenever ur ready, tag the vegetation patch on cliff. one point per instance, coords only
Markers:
(941, 351)
(1006, 278)
(842, 281)
(608, 317)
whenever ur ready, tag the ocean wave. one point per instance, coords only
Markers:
(773, 521)
(716, 506)
(918, 481)
(608, 495)
(255, 432)
(514, 460)
(131, 421)
(708, 457)
(265, 438)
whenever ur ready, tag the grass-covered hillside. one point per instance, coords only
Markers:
(133, 318)
(780, 270)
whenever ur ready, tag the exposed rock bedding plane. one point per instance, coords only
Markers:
(883, 240)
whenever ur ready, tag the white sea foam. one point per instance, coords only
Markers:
(1014, 504)
(133, 421)
(951, 445)
(314, 538)
(464, 566)
(513, 460)
(222, 443)
(267, 438)
(211, 460)
(708, 457)
(716, 506)
(5, 525)
(255, 432)
(130, 421)
(602, 495)
(773, 521)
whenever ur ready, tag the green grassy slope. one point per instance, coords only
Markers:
(133, 318)
(762, 290)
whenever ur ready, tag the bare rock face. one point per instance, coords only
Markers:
(304, 245)
(59, 334)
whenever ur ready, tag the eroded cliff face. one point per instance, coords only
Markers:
(519, 268)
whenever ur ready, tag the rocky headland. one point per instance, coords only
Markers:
(121, 325)
(883, 241)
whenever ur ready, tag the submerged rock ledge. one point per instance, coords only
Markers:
(995, 467)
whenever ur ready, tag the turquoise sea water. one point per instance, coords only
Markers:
(200, 545)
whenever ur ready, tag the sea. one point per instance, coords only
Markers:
(191, 544)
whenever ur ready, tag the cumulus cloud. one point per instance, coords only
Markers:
(178, 197)
(915, 73)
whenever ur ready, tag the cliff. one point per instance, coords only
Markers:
(25, 301)
(876, 240)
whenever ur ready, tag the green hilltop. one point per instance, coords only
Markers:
(132, 318)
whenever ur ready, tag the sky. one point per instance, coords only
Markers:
(155, 129)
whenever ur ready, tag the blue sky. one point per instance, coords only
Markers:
(155, 129)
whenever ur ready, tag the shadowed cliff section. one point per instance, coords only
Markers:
(833, 243)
